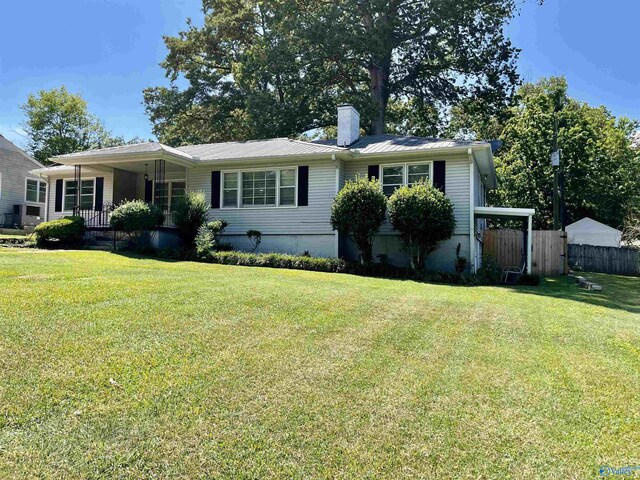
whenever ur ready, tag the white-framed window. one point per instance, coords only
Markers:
(168, 193)
(35, 191)
(398, 175)
(87, 194)
(259, 188)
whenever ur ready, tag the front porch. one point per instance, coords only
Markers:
(103, 187)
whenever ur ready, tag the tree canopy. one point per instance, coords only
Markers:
(600, 163)
(58, 122)
(279, 67)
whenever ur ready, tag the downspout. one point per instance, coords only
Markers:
(472, 220)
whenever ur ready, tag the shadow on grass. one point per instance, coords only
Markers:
(618, 292)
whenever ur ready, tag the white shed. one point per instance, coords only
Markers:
(589, 232)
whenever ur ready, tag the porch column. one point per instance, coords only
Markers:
(529, 242)
(77, 177)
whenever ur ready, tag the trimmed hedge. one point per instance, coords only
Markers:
(64, 232)
(335, 265)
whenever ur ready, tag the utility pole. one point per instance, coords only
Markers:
(555, 162)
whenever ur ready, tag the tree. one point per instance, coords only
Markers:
(631, 227)
(58, 122)
(600, 166)
(424, 217)
(278, 68)
(359, 211)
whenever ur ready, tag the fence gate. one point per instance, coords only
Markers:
(507, 248)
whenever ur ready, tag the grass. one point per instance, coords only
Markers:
(122, 367)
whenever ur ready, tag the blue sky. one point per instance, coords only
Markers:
(109, 50)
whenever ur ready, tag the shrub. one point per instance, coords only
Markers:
(424, 217)
(529, 279)
(490, 273)
(359, 211)
(208, 238)
(217, 228)
(336, 265)
(136, 218)
(189, 214)
(65, 232)
(255, 237)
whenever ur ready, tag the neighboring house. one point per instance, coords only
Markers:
(589, 232)
(285, 188)
(22, 194)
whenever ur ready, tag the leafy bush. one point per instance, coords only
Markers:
(217, 228)
(359, 211)
(336, 265)
(529, 279)
(189, 214)
(208, 238)
(65, 232)
(136, 215)
(137, 218)
(255, 237)
(490, 273)
(424, 217)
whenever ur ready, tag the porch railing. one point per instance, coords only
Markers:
(100, 219)
(93, 218)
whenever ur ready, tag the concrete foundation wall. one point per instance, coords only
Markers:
(316, 245)
(442, 259)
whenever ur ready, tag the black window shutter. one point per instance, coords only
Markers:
(303, 186)
(148, 191)
(374, 172)
(99, 193)
(439, 169)
(59, 187)
(215, 189)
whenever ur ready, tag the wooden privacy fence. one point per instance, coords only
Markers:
(507, 248)
(620, 261)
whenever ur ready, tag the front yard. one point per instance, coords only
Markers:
(116, 366)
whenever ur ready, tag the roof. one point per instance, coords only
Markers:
(399, 143)
(136, 148)
(273, 147)
(591, 224)
(7, 145)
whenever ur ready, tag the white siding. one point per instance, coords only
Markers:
(312, 219)
(107, 195)
(456, 183)
(14, 169)
(480, 200)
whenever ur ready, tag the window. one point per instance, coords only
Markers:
(87, 190)
(287, 187)
(167, 194)
(394, 176)
(230, 189)
(36, 191)
(177, 192)
(259, 188)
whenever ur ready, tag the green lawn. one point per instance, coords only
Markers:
(121, 367)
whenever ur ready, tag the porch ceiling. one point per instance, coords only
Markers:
(142, 167)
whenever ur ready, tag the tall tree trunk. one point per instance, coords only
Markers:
(379, 81)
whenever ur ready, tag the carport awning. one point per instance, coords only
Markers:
(506, 212)
(503, 212)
